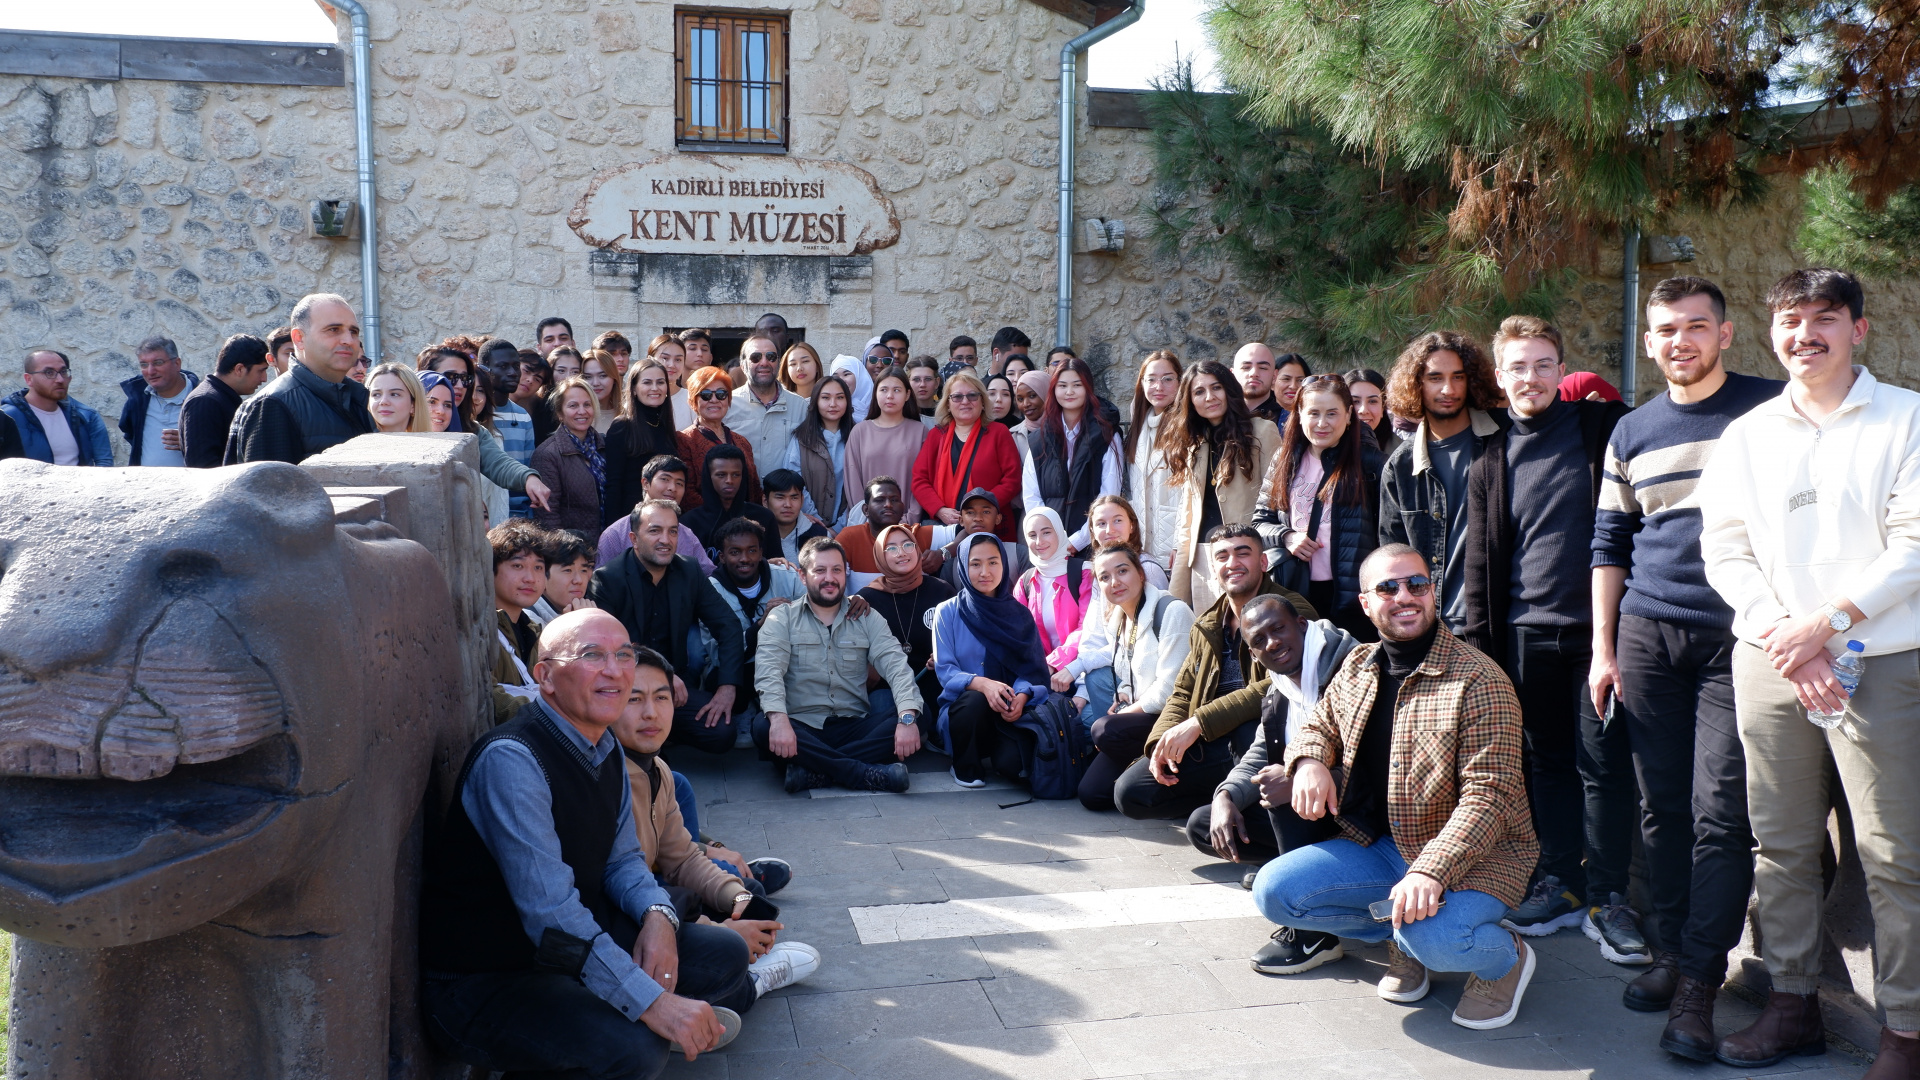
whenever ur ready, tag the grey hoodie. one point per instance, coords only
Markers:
(1272, 736)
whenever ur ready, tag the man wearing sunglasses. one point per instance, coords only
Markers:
(765, 413)
(1430, 804)
(53, 427)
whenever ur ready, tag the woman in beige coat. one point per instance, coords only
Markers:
(1209, 437)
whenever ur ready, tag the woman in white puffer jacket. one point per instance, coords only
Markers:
(1156, 387)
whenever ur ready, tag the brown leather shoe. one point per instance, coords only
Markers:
(1899, 1058)
(1689, 1032)
(1653, 990)
(1789, 1025)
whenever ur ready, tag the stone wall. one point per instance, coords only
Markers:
(1744, 251)
(137, 207)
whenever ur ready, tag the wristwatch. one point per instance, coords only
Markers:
(667, 910)
(742, 898)
(1838, 619)
(907, 718)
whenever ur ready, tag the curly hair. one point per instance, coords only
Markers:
(1404, 399)
(1184, 430)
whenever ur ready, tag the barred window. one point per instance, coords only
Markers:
(730, 75)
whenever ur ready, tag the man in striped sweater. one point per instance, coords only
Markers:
(1663, 648)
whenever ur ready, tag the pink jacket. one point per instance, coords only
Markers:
(1066, 614)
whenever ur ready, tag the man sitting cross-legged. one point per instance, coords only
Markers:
(1432, 804)
(546, 946)
(811, 672)
(701, 887)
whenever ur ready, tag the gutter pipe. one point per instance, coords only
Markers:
(1629, 310)
(363, 145)
(1069, 77)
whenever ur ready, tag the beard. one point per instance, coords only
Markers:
(1392, 631)
(816, 595)
(1683, 378)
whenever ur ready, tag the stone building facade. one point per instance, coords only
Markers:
(133, 206)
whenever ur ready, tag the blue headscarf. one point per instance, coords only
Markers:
(431, 379)
(1001, 623)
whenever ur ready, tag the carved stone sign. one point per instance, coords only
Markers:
(724, 204)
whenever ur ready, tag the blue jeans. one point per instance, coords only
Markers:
(689, 805)
(1099, 698)
(1326, 887)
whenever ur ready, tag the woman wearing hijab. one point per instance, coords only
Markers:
(712, 395)
(856, 375)
(964, 451)
(904, 595)
(1075, 457)
(987, 655)
(572, 462)
(1030, 406)
(1057, 591)
(643, 432)
(722, 502)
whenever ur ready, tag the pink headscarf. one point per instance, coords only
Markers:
(1035, 381)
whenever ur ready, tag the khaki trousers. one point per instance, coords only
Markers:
(1877, 752)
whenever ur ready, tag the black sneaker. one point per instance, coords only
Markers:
(1545, 910)
(1291, 951)
(885, 777)
(1615, 927)
(799, 779)
(772, 874)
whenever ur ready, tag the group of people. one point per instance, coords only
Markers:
(1425, 647)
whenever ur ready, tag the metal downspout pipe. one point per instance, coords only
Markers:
(363, 140)
(1069, 76)
(1629, 310)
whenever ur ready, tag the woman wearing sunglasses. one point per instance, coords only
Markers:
(711, 394)
(965, 451)
(1321, 504)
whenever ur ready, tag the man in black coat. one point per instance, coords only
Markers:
(10, 442)
(659, 595)
(206, 417)
(314, 405)
(1531, 502)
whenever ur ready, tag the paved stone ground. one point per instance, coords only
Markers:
(1168, 1000)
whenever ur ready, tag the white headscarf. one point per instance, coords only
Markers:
(1056, 565)
(862, 383)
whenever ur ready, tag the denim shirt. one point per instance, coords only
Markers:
(507, 799)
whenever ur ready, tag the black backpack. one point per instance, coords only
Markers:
(1058, 749)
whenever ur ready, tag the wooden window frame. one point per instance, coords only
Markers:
(721, 72)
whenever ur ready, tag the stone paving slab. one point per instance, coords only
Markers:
(1168, 996)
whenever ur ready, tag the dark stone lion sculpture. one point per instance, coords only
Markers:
(219, 714)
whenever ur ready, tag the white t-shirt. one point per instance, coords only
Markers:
(66, 451)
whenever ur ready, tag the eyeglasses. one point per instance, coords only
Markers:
(754, 356)
(54, 372)
(1417, 585)
(964, 395)
(1539, 369)
(899, 546)
(623, 657)
(712, 395)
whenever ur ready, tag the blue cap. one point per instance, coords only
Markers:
(1856, 646)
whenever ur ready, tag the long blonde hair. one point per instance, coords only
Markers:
(420, 422)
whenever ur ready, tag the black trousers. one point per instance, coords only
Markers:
(1138, 795)
(1271, 833)
(1579, 776)
(689, 731)
(534, 1025)
(841, 749)
(981, 739)
(1677, 697)
(1119, 738)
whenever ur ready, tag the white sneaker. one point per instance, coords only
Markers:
(729, 1031)
(788, 962)
(966, 783)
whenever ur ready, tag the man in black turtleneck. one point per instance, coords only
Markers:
(1531, 499)
(1431, 811)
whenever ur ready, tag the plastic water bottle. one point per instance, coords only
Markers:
(1847, 671)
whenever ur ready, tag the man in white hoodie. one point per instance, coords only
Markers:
(1811, 533)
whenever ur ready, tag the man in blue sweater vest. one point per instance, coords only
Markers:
(1663, 648)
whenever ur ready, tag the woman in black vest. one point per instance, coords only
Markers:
(1075, 457)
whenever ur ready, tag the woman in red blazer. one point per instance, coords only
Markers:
(964, 451)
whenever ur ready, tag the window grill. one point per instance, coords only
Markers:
(730, 77)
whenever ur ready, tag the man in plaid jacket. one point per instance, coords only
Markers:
(1415, 749)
